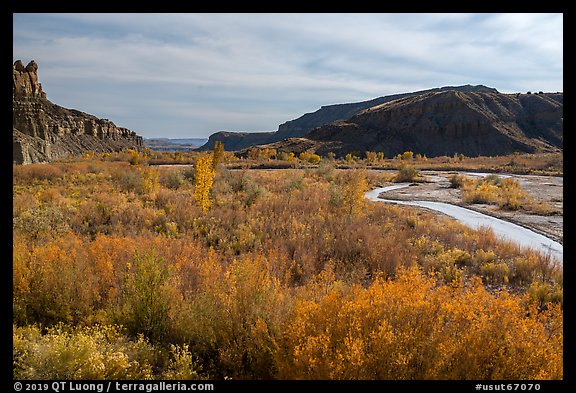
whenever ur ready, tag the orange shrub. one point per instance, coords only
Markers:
(411, 328)
(53, 291)
(31, 172)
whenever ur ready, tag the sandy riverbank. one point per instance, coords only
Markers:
(546, 189)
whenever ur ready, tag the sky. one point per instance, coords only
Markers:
(190, 75)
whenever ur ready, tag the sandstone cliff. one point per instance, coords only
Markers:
(331, 113)
(43, 131)
(448, 122)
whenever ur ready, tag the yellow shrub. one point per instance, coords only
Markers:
(483, 193)
(371, 157)
(237, 314)
(182, 365)
(349, 194)
(350, 157)
(286, 156)
(48, 286)
(309, 157)
(261, 153)
(99, 352)
(407, 156)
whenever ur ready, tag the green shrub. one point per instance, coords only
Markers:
(496, 272)
(139, 181)
(492, 179)
(482, 257)
(42, 220)
(543, 293)
(406, 173)
(189, 174)
(129, 180)
(456, 181)
(254, 192)
(285, 156)
(524, 269)
(145, 296)
(451, 273)
(172, 179)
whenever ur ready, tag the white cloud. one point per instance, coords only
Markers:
(255, 69)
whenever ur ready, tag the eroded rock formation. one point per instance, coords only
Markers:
(448, 122)
(472, 120)
(44, 131)
(326, 114)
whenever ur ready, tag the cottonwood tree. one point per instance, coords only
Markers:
(204, 179)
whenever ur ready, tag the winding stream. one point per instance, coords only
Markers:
(504, 229)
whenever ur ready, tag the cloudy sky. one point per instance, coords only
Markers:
(190, 75)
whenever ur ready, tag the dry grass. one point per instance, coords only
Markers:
(537, 164)
(282, 265)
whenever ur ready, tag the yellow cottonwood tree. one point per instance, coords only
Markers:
(204, 179)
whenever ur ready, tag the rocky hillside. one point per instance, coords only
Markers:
(43, 131)
(239, 140)
(331, 113)
(326, 114)
(448, 122)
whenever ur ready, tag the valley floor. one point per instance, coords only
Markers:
(126, 270)
(544, 189)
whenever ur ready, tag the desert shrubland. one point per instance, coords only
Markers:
(131, 271)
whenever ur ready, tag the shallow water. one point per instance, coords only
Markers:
(501, 228)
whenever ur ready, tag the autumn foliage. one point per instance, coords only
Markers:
(413, 328)
(205, 172)
(127, 271)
